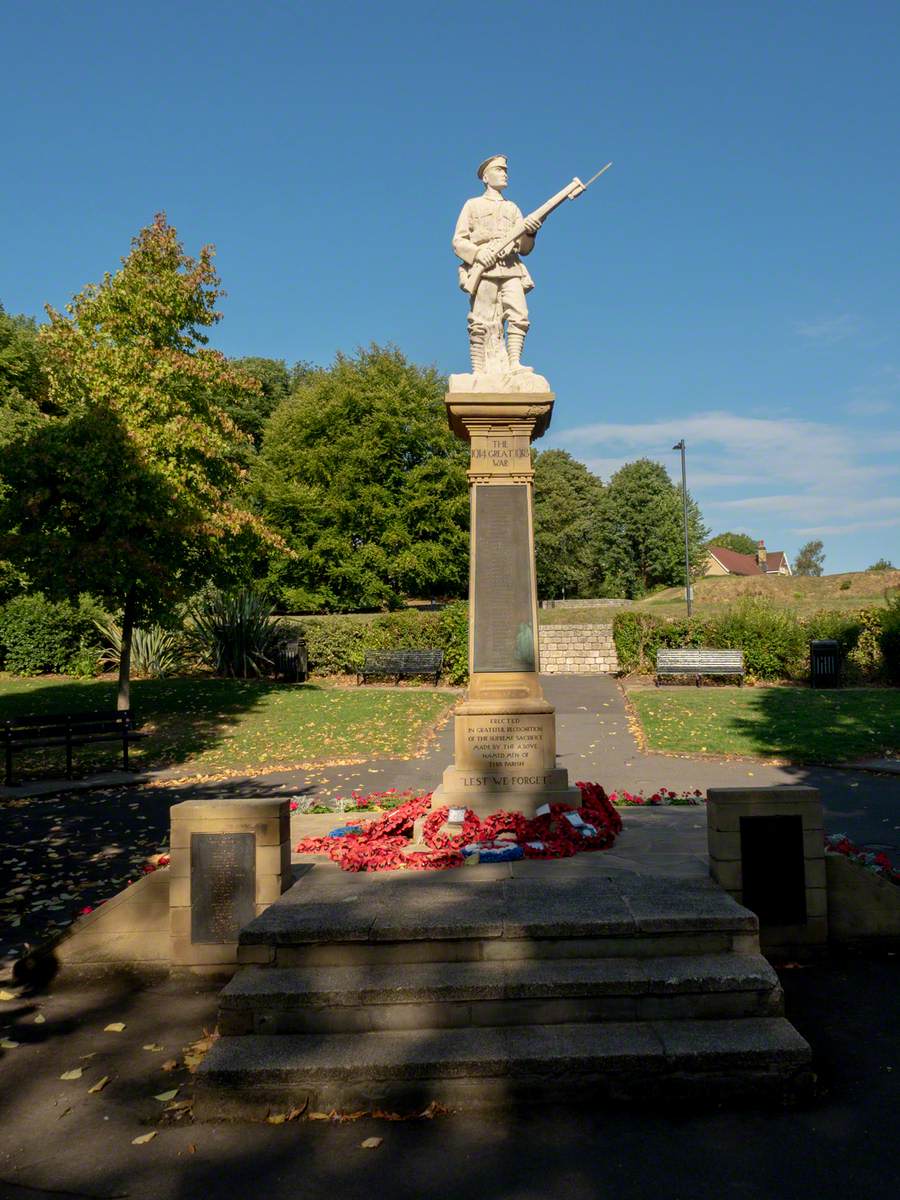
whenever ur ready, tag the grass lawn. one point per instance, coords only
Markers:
(792, 723)
(218, 725)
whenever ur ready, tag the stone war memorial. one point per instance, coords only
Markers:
(505, 729)
(487, 944)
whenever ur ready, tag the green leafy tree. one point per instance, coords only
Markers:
(251, 410)
(883, 564)
(740, 543)
(126, 489)
(363, 479)
(810, 559)
(23, 393)
(568, 501)
(641, 542)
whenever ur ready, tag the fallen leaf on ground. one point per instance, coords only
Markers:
(153, 1046)
(165, 1097)
(114, 1027)
(371, 1143)
(8, 1044)
(317, 1116)
(100, 1084)
(297, 1112)
(40, 1019)
(276, 1118)
(5, 995)
(75, 1073)
(169, 1065)
(144, 1138)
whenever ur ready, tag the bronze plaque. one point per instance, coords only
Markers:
(504, 633)
(773, 869)
(223, 885)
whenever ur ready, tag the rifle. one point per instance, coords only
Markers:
(570, 192)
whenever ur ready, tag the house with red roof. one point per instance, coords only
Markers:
(764, 562)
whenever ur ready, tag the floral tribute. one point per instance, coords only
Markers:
(384, 844)
(877, 864)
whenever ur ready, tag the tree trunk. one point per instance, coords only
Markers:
(124, 698)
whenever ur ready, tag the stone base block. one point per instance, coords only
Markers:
(486, 792)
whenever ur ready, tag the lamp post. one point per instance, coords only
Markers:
(687, 552)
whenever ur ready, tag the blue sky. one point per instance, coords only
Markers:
(732, 280)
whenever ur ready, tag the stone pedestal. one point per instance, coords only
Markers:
(230, 859)
(505, 753)
(767, 849)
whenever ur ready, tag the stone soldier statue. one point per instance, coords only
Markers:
(499, 276)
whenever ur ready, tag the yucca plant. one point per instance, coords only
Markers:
(233, 632)
(155, 652)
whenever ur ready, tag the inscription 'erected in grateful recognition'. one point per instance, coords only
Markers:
(504, 633)
(223, 885)
(505, 740)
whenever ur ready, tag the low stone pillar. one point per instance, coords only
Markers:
(767, 849)
(229, 860)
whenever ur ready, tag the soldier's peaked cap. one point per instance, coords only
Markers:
(487, 162)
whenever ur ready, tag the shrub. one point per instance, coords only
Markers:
(155, 652)
(38, 636)
(337, 644)
(774, 642)
(454, 624)
(233, 632)
(889, 638)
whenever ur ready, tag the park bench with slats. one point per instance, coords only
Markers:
(699, 663)
(76, 729)
(401, 664)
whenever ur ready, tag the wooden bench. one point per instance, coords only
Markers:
(78, 729)
(401, 663)
(699, 663)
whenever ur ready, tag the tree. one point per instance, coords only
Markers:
(127, 490)
(568, 501)
(740, 543)
(809, 559)
(252, 409)
(23, 391)
(361, 476)
(883, 564)
(641, 542)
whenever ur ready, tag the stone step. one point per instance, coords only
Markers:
(460, 994)
(248, 1077)
(483, 913)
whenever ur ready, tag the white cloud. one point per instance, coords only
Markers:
(828, 329)
(805, 476)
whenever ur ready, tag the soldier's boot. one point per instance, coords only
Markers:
(515, 342)
(476, 352)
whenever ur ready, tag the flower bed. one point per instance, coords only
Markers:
(663, 796)
(875, 863)
(558, 831)
(391, 799)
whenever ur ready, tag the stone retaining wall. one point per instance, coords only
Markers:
(605, 602)
(578, 650)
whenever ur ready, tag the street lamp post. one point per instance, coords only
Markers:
(687, 552)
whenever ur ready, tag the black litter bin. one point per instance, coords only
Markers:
(291, 661)
(825, 663)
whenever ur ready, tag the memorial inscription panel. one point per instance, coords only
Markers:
(500, 455)
(504, 632)
(223, 885)
(505, 740)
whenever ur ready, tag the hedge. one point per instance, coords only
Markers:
(775, 642)
(38, 636)
(337, 644)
